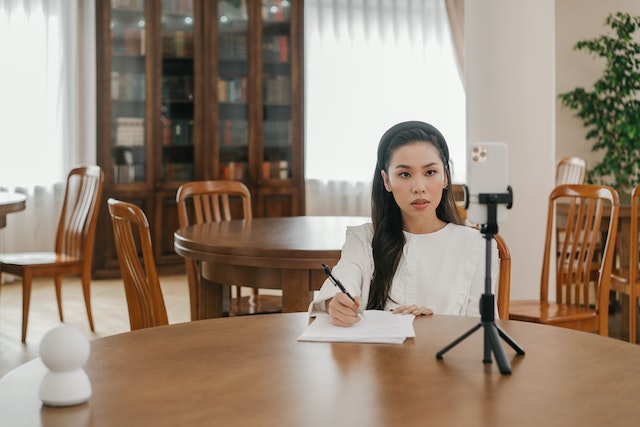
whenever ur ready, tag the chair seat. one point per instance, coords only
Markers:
(38, 259)
(255, 304)
(550, 313)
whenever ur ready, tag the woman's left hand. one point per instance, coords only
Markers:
(413, 309)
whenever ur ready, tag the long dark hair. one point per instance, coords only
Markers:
(388, 239)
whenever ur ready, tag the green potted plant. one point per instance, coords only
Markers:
(610, 110)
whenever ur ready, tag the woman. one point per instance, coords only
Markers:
(417, 257)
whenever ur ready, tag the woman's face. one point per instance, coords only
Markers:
(416, 177)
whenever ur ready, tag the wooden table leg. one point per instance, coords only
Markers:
(211, 299)
(296, 294)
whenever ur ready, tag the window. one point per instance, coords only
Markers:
(370, 65)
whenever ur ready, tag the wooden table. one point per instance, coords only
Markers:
(10, 202)
(270, 253)
(251, 371)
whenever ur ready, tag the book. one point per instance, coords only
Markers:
(378, 326)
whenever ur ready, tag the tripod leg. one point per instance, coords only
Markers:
(460, 339)
(491, 332)
(487, 346)
(514, 345)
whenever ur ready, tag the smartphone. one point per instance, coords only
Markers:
(487, 173)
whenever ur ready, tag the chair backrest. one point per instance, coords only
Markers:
(634, 257)
(209, 201)
(571, 170)
(586, 212)
(79, 216)
(504, 279)
(142, 286)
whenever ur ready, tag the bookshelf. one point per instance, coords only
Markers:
(197, 90)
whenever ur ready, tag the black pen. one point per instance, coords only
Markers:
(336, 282)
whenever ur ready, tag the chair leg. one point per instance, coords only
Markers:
(26, 299)
(58, 283)
(86, 290)
(632, 318)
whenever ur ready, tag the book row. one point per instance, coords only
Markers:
(127, 86)
(177, 131)
(234, 132)
(234, 170)
(275, 49)
(172, 6)
(232, 90)
(126, 174)
(128, 4)
(277, 90)
(177, 43)
(232, 46)
(177, 87)
(129, 131)
(276, 10)
(129, 41)
(276, 133)
(178, 6)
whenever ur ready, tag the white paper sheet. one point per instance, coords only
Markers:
(378, 327)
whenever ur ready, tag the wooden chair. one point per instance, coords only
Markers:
(141, 283)
(73, 246)
(571, 170)
(627, 281)
(208, 201)
(504, 279)
(575, 306)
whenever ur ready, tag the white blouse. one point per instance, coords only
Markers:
(444, 270)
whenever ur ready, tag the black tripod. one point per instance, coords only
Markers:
(492, 332)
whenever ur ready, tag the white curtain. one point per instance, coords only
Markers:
(370, 64)
(39, 112)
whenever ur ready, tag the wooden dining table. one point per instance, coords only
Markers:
(252, 371)
(283, 253)
(10, 202)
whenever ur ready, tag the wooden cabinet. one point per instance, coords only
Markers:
(196, 90)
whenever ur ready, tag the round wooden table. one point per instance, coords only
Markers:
(251, 370)
(271, 253)
(10, 202)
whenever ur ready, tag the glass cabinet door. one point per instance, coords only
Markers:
(232, 83)
(128, 99)
(276, 81)
(177, 80)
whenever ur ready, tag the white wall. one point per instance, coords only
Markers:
(510, 83)
(578, 68)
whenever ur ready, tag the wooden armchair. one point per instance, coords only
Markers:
(141, 283)
(211, 201)
(585, 210)
(73, 247)
(627, 281)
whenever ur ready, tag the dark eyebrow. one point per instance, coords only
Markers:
(428, 165)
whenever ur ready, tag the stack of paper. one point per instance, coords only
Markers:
(377, 327)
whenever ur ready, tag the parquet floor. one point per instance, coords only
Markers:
(109, 308)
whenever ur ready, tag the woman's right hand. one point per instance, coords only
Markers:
(342, 310)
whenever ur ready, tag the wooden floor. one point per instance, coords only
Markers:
(108, 305)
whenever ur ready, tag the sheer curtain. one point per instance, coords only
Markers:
(368, 65)
(39, 110)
